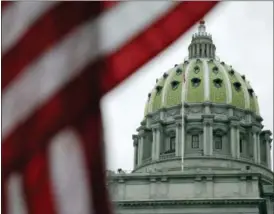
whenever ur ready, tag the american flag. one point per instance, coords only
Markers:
(58, 60)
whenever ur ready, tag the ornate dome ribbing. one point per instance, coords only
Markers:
(202, 77)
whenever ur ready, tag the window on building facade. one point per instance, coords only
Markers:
(195, 141)
(241, 145)
(170, 146)
(218, 142)
(172, 143)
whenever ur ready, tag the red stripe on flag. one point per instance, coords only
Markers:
(18, 148)
(87, 88)
(50, 29)
(90, 129)
(32, 136)
(109, 4)
(37, 186)
(152, 41)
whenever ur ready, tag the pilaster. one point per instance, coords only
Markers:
(258, 148)
(208, 135)
(197, 49)
(267, 136)
(153, 150)
(135, 145)
(268, 149)
(237, 134)
(255, 151)
(157, 131)
(140, 149)
(234, 137)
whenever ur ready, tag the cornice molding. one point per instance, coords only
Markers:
(155, 203)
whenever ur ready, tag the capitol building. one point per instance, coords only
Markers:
(201, 147)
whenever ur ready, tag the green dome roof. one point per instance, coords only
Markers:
(202, 78)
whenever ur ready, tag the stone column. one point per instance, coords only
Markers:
(268, 148)
(197, 50)
(193, 50)
(258, 148)
(140, 149)
(255, 150)
(157, 140)
(206, 138)
(153, 150)
(234, 137)
(178, 149)
(237, 134)
(135, 144)
(207, 50)
(268, 158)
(208, 135)
(212, 51)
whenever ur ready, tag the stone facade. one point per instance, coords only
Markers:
(201, 154)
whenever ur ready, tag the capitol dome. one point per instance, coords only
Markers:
(202, 113)
(201, 146)
(202, 77)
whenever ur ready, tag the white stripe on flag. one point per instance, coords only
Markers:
(16, 203)
(21, 15)
(68, 174)
(42, 79)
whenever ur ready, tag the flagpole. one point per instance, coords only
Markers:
(183, 120)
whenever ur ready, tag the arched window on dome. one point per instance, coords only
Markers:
(231, 72)
(196, 69)
(195, 82)
(179, 71)
(170, 143)
(215, 70)
(241, 145)
(195, 141)
(251, 92)
(237, 86)
(158, 89)
(218, 142)
(218, 82)
(174, 84)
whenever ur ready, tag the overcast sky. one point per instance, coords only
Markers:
(243, 35)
